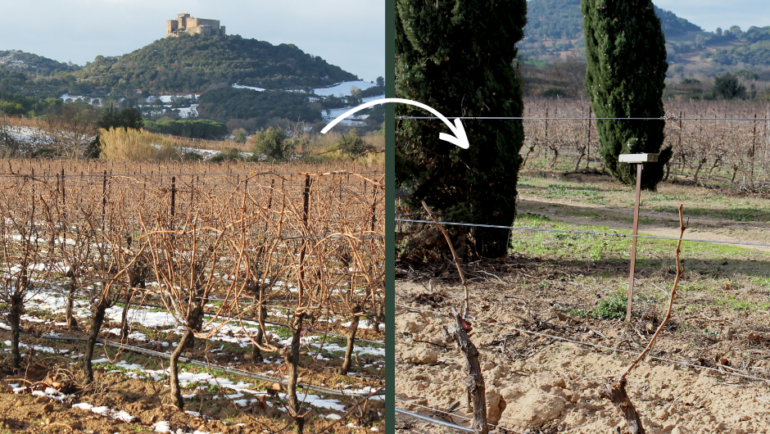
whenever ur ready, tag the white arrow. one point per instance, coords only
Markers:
(459, 138)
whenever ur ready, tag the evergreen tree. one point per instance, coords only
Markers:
(728, 86)
(626, 53)
(125, 118)
(273, 144)
(456, 56)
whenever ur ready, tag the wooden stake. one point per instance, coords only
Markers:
(633, 242)
(615, 390)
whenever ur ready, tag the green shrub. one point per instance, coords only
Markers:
(198, 128)
(352, 144)
(553, 93)
(272, 143)
(728, 87)
(127, 118)
(613, 307)
(191, 156)
(240, 135)
(227, 154)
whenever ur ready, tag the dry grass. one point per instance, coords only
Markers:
(136, 145)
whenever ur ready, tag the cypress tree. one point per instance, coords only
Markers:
(626, 53)
(457, 57)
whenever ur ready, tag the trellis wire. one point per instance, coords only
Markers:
(183, 359)
(432, 420)
(530, 118)
(449, 424)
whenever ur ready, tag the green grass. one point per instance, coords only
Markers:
(665, 198)
(733, 303)
(588, 247)
(693, 286)
(282, 332)
(588, 193)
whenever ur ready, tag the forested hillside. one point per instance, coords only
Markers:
(261, 107)
(27, 84)
(755, 49)
(193, 63)
(561, 19)
(15, 60)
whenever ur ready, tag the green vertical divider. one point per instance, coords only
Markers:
(390, 215)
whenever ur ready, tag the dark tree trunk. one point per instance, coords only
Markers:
(124, 318)
(379, 316)
(579, 159)
(96, 324)
(195, 324)
(256, 354)
(14, 318)
(351, 341)
(697, 170)
(292, 361)
(615, 391)
(176, 391)
(71, 321)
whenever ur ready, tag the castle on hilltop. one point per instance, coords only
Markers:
(184, 23)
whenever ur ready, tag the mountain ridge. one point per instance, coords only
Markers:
(191, 63)
(554, 30)
(21, 61)
(540, 24)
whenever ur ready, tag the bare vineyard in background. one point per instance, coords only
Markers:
(720, 140)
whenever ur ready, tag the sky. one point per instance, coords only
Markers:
(346, 33)
(710, 14)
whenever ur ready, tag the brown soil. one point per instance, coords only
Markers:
(148, 401)
(547, 385)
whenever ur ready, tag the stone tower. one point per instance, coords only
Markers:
(184, 23)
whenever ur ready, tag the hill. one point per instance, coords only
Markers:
(19, 61)
(554, 31)
(193, 63)
(561, 22)
(30, 85)
(555, 28)
(748, 48)
(245, 83)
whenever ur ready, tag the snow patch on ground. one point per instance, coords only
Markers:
(342, 89)
(238, 86)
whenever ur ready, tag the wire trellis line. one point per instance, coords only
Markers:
(434, 421)
(532, 118)
(565, 231)
(227, 369)
(449, 424)
(602, 347)
(202, 174)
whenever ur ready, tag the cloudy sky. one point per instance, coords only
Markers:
(710, 14)
(347, 33)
